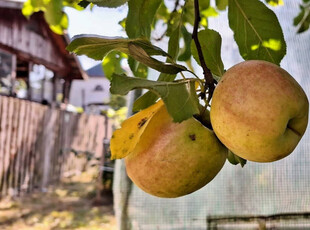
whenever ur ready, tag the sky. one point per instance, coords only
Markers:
(99, 21)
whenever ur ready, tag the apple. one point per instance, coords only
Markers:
(259, 111)
(174, 159)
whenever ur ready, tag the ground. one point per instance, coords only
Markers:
(67, 206)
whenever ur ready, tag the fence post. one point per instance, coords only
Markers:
(48, 145)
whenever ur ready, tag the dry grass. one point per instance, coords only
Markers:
(69, 206)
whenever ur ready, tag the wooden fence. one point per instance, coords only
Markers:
(38, 144)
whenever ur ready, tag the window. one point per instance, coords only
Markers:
(98, 88)
(6, 67)
(41, 85)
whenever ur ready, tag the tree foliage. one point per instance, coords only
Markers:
(302, 20)
(183, 26)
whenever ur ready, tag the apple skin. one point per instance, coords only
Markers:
(259, 111)
(175, 159)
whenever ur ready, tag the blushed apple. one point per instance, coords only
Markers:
(259, 111)
(174, 159)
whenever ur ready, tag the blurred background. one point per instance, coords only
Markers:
(57, 117)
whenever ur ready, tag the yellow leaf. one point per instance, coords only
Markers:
(197, 84)
(125, 139)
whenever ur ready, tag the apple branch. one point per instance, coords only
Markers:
(176, 5)
(209, 81)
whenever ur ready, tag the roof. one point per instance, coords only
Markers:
(71, 66)
(14, 4)
(95, 71)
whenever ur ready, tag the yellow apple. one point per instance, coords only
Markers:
(259, 111)
(169, 159)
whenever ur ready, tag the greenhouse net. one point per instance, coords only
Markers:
(259, 196)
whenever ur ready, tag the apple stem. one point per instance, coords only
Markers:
(209, 80)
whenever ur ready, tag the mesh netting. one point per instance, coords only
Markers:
(272, 195)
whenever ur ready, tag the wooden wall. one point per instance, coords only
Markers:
(30, 39)
(37, 144)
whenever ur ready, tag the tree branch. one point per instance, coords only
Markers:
(176, 5)
(209, 81)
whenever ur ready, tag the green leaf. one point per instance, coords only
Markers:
(174, 28)
(189, 12)
(141, 71)
(149, 98)
(173, 44)
(140, 49)
(205, 4)
(137, 68)
(210, 12)
(75, 4)
(142, 56)
(221, 4)
(53, 13)
(112, 64)
(31, 6)
(122, 23)
(61, 26)
(234, 159)
(148, 47)
(162, 13)
(275, 2)
(300, 16)
(186, 51)
(210, 42)
(302, 20)
(108, 3)
(175, 19)
(84, 3)
(256, 30)
(97, 47)
(144, 101)
(179, 97)
(140, 17)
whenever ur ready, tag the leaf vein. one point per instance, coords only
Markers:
(253, 28)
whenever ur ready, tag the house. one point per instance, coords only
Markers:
(40, 144)
(34, 62)
(93, 94)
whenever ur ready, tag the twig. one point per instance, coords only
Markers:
(209, 81)
(176, 5)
